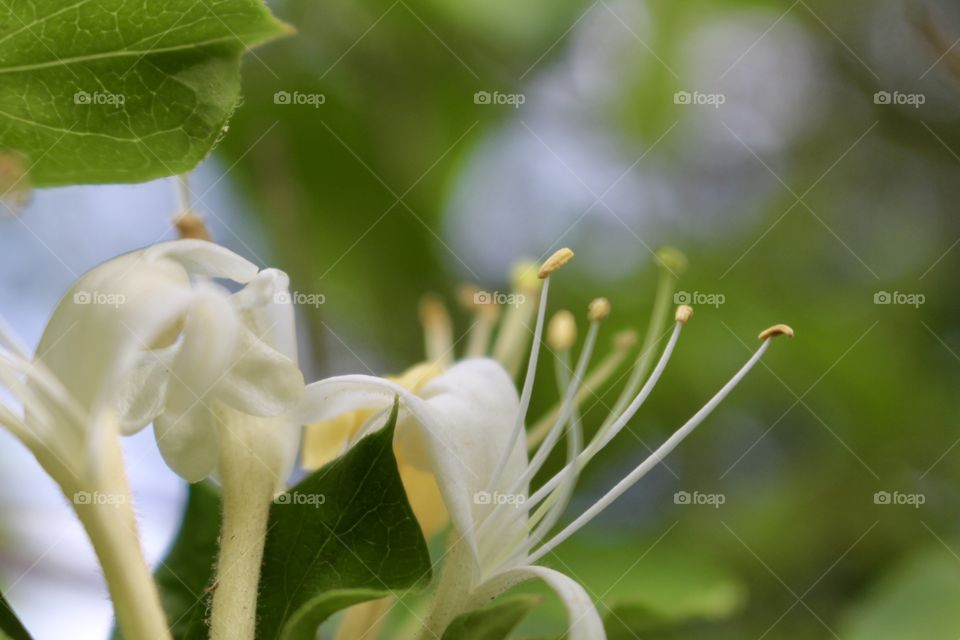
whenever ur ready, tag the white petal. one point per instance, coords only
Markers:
(267, 300)
(144, 391)
(207, 349)
(460, 427)
(189, 443)
(262, 381)
(106, 319)
(583, 620)
(335, 396)
(477, 405)
(202, 258)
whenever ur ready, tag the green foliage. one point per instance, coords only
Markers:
(187, 572)
(343, 535)
(492, 622)
(918, 599)
(643, 589)
(116, 91)
(10, 626)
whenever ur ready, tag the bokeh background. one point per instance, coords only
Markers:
(811, 179)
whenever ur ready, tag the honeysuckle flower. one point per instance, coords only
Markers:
(152, 336)
(465, 427)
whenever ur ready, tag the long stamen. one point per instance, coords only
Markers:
(672, 263)
(486, 312)
(596, 378)
(554, 262)
(599, 310)
(561, 336)
(657, 456)
(437, 330)
(512, 339)
(605, 435)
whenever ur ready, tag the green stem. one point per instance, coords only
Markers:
(248, 488)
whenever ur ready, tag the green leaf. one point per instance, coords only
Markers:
(343, 535)
(917, 599)
(121, 91)
(10, 625)
(492, 622)
(186, 573)
(644, 586)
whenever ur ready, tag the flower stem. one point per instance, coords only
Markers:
(248, 487)
(107, 514)
(452, 591)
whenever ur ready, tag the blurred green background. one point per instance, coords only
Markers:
(799, 199)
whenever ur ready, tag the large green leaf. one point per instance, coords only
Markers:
(121, 90)
(343, 535)
(10, 625)
(492, 622)
(917, 599)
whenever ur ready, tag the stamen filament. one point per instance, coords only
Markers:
(540, 457)
(671, 262)
(622, 343)
(437, 330)
(485, 316)
(654, 459)
(527, 390)
(604, 436)
(512, 339)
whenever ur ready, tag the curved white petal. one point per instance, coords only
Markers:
(584, 622)
(106, 319)
(459, 428)
(208, 347)
(262, 381)
(335, 396)
(201, 258)
(267, 301)
(189, 443)
(144, 392)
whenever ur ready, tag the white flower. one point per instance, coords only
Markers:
(465, 425)
(151, 337)
(154, 336)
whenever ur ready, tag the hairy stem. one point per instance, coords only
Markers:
(248, 488)
(453, 589)
(105, 508)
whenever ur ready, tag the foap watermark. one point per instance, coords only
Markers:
(697, 498)
(897, 498)
(498, 297)
(698, 98)
(899, 297)
(899, 98)
(99, 498)
(299, 298)
(99, 98)
(699, 298)
(497, 98)
(99, 298)
(495, 498)
(301, 499)
(298, 98)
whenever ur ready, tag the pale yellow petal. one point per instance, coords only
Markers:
(326, 440)
(425, 499)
